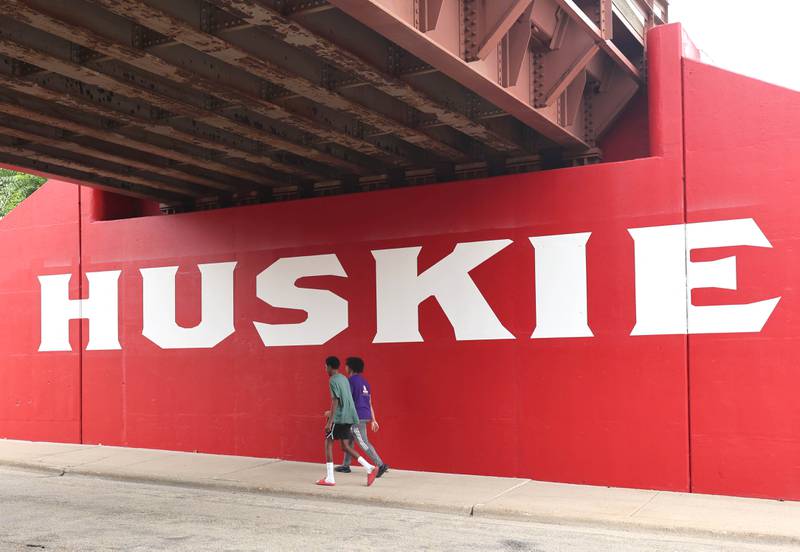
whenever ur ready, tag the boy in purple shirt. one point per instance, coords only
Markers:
(362, 397)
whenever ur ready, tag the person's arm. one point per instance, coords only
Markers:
(330, 414)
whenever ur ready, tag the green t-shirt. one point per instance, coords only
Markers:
(340, 390)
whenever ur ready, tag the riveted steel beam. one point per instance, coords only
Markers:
(151, 96)
(69, 98)
(296, 34)
(498, 18)
(86, 176)
(185, 76)
(473, 43)
(12, 146)
(611, 49)
(154, 148)
(573, 50)
(232, 96)
(441, 47)
(234, 55)
(56, 137)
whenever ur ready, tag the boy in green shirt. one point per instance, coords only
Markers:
(341, 422)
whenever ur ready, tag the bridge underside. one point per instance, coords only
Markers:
(195, 104)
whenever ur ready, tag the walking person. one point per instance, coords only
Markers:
(342, 424)
(362, 397)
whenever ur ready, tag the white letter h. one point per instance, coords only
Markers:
(100, 309)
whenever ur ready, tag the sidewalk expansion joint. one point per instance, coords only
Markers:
(498, 495)
(643, 506)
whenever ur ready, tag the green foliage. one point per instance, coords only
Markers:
(15, 187)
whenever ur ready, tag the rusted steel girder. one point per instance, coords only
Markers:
(211, 118)
(156, 65)
(571, 8)
(444, 48)
(148, 143)
(84, 176)
(501, 17)
(57, 139)
(111, 171)
(229, 95)
(175, 162)
(295, 34)
(561, 64)
(234, 55)
(507, 51)
(143, 124)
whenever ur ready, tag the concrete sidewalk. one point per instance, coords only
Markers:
(497, 497)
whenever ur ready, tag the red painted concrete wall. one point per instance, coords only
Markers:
(710, 413)
(609, 409)
(39, 393)
(742, 145)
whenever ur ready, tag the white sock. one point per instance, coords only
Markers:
(329, 477)
(367, 466)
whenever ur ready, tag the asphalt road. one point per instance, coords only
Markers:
(40, 511)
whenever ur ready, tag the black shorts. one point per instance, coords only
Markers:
(340, 431)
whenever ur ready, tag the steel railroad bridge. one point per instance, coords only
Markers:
(197, 104)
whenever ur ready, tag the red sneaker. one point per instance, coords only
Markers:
(325, 483)
(371, 476)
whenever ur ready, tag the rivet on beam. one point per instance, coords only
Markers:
(206, 18)
(393, 57)
(22, 69)
(77, 53)
(326, 77)
(137, 36)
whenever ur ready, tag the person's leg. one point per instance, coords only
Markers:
(370, 450)
(329, 450)
(372, 471)
(329, 479)
(348, 448)
(347, 460)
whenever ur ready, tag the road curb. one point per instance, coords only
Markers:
(229, 485)
(32, 467)
(477, 510)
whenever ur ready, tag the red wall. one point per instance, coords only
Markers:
(539, 408)
(707, 413)
(39, 393)
(742, 145)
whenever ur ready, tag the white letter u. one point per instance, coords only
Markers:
(158, 303)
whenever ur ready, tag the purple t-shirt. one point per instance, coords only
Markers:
(361, 394)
